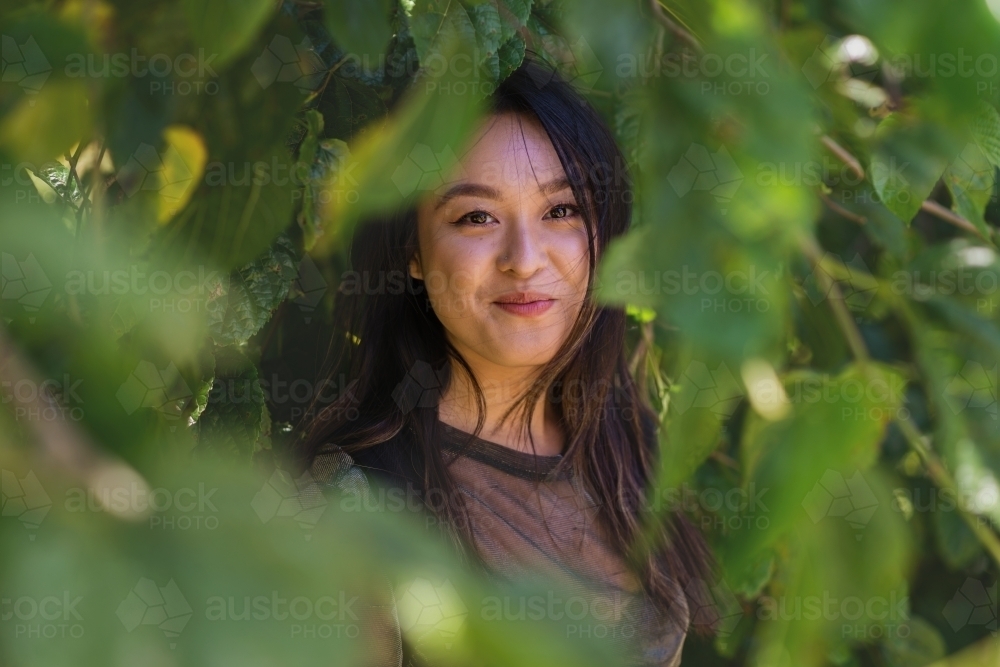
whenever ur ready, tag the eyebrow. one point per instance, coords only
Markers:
(558, 184)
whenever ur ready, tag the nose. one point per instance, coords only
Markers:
(522, 252)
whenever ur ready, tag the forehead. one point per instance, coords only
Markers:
(507, 151)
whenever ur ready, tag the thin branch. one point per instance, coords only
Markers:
(844, 155)
(830, 287)
(725, 460)
(935, 468)
(949, 216)
(73, 159)
(840, 210)
(943, 479)
(929, 206)
(326, 80)
(675, 29)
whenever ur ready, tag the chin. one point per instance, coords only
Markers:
(515, 351)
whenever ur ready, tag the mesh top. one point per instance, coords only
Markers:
(527, 519)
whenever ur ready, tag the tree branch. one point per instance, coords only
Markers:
(843, 316)
(840, 210)
(935, 468)
(844, 155)
(950, 216)
(943, 479)
(675, 29)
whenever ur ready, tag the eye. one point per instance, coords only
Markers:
(475, 219)
(563, 211)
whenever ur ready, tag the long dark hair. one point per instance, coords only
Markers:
(393, 341)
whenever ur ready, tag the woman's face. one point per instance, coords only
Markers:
(503, 247)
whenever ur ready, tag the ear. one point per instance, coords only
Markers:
(416, 272)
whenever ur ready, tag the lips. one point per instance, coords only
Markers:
(525, 304)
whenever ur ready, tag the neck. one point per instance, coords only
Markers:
(501, 386)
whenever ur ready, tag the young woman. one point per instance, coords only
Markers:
(490, 380)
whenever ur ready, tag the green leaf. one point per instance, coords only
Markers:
(57, 176)
(225, 28)
(361, 27)
(238, 210)
(350, 107)
(231, 422)
(486, 20)
(751, 580)
(513, 15)
(510, 56)
(689, 438)
(971, 180)
(409, 156)
(920, 646)
(46, 125)
(907, 163)
(832, 435)
(986, 132)
(247, 297)
(957, 544)
(434, 22)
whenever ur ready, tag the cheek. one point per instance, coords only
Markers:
(574, 263)
(454, 271)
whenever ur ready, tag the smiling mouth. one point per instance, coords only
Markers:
(524, 304)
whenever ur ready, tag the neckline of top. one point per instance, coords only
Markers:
(511, 461)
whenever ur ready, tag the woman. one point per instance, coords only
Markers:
(491, 381)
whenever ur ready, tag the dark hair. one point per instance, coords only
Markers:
(610, 428)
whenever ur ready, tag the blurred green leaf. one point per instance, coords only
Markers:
(245, 299)
(231, 421)
(361, 27)
(224, 28)
(957, 544)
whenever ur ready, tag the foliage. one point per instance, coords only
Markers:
(811, 279)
